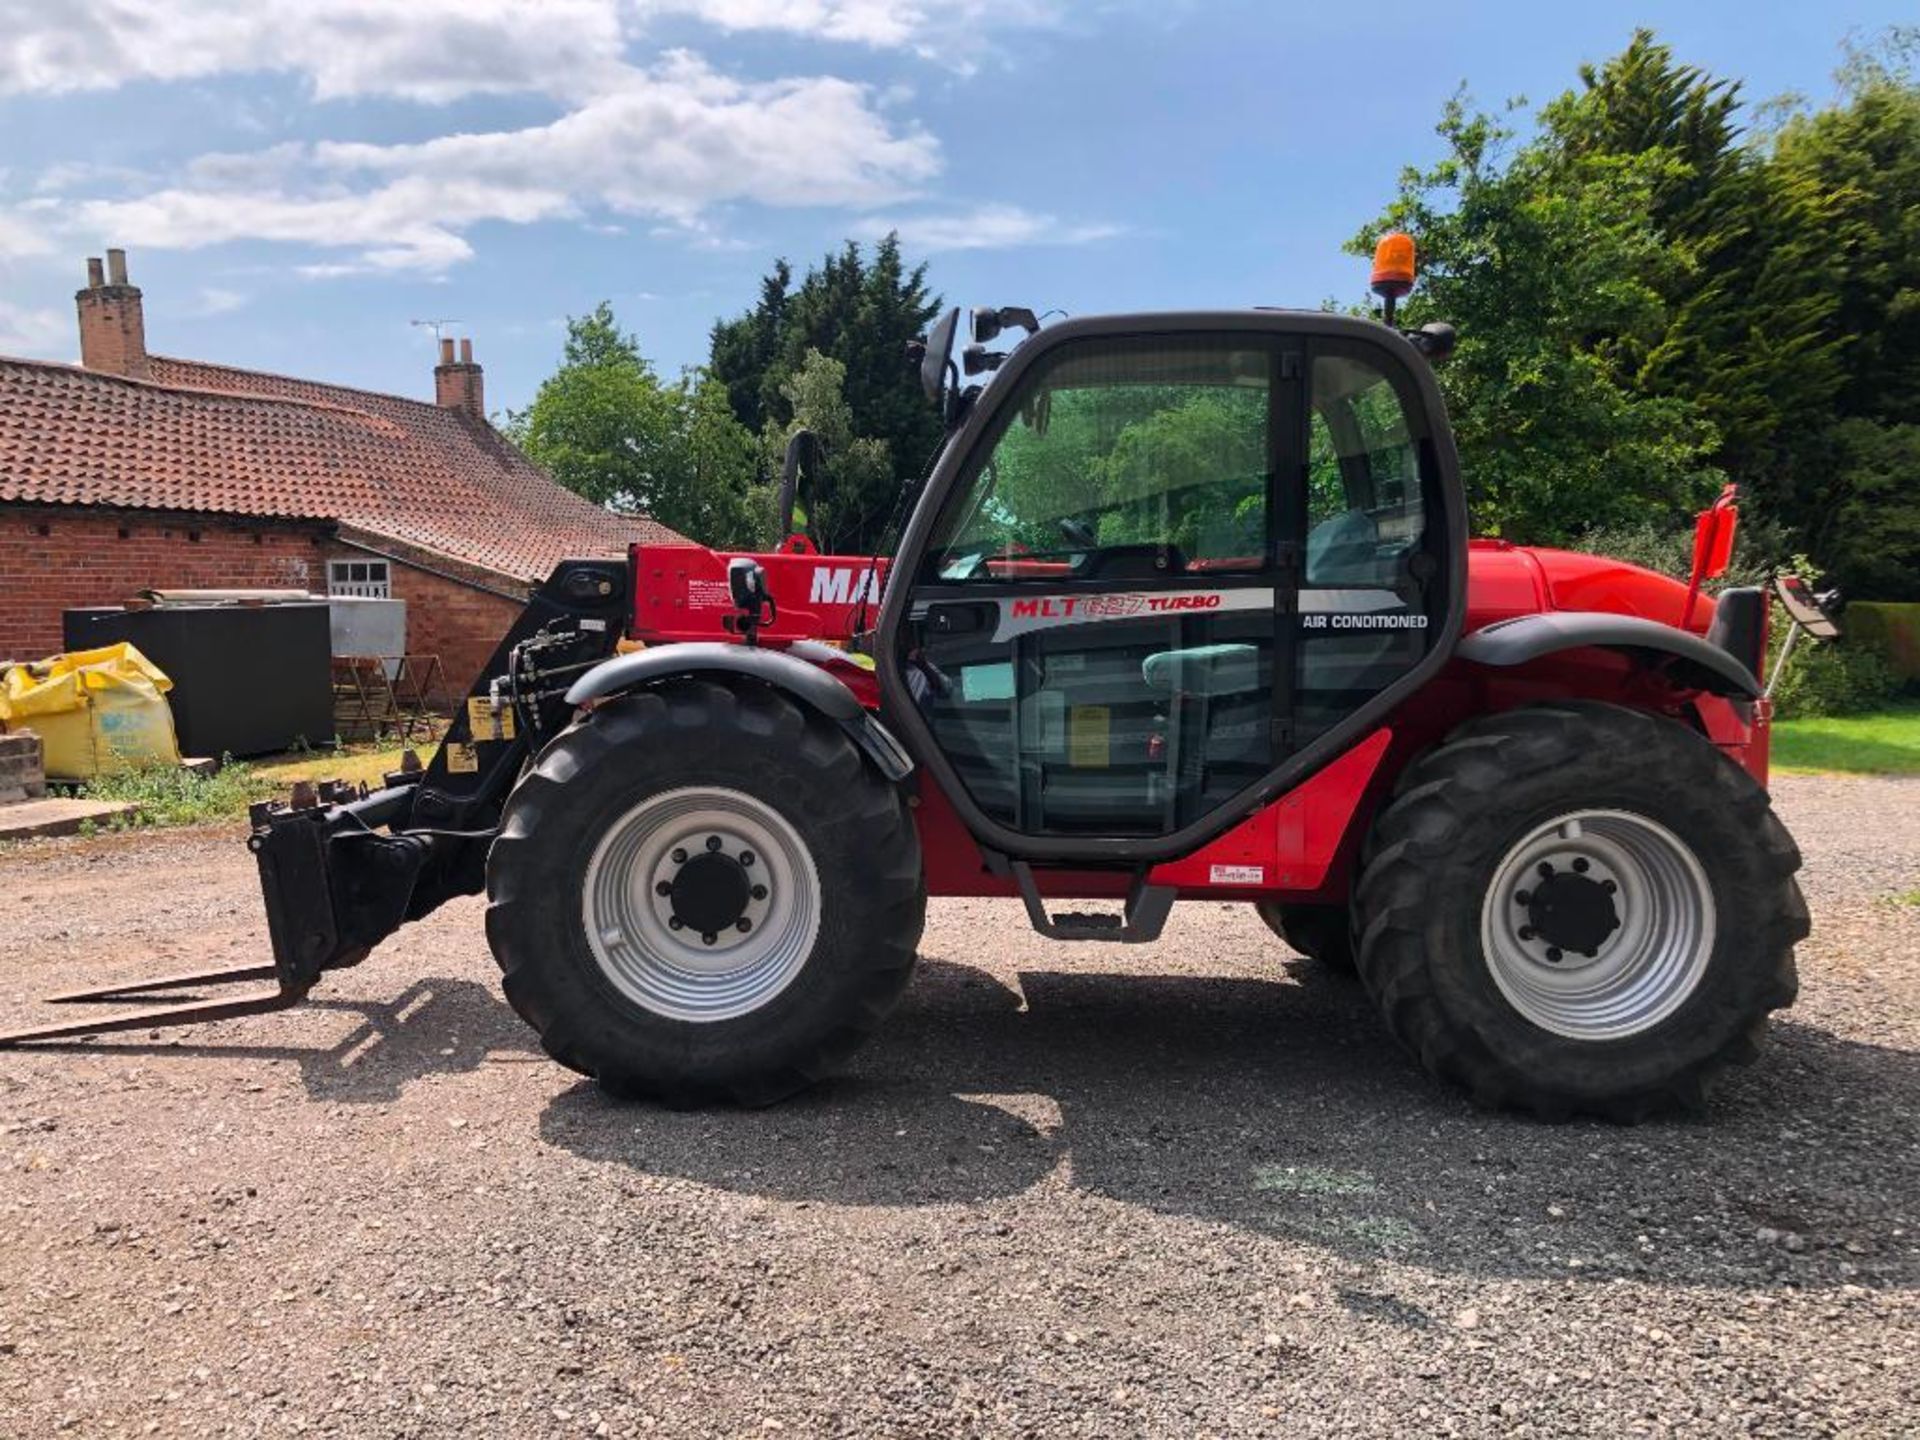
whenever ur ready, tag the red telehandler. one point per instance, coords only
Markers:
(1184, 609)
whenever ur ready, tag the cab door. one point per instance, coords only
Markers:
(1156, 570)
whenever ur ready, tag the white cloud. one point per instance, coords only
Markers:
(219, 300)
(427, 50)
(670, 144)
(34, 331)
(438, 50)
(21, 235)
(991, 227)
(931, 27)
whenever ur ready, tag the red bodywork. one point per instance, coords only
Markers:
(1304, 844)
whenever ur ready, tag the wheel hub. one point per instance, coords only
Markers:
(710, 893)
(1570, 910)
(1598, 925)
(701, 904)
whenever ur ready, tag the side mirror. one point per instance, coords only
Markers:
(1435, 340)
(939, 353)
(977, 359)
(1806, 609)
(747, 583)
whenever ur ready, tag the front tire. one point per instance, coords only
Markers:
(1319, 932)
(1579, 908)
(702, 892)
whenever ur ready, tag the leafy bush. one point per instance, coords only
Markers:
(1759, 549)
(1843, 677)
(1840, 677)
(173, 795)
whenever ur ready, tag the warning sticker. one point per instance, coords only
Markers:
(1237, 875)
(462, 759)
(1088, 728)
(487, 723)
(709, 594)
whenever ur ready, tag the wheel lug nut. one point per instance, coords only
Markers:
(759, 892)
(679, 857)
(746, 858)
(663, 888)
(1526, 932)
(713, 842)
(674, 922)
(1582, 866)
(1553, 955)
(1523, 897)
(709, 937)
(1608, 886)
(743, 924)
(1546, 869)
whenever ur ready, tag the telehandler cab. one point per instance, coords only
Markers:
(1184, 609)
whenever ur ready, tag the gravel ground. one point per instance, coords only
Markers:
(1201, 1197)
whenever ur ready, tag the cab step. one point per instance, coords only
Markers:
(1141, 921)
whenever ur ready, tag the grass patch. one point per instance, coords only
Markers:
(170, 795)
(1883, 742)
(1313, 1180)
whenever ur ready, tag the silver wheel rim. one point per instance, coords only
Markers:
(672, 970)
(1646, 966)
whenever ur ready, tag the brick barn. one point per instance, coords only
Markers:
(136, 471)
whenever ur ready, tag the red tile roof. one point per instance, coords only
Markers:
(240, 442)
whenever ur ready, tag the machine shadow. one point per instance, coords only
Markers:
(436, 1026)
(1282, 1109)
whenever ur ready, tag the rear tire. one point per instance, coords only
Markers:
(1320, 932)
(1579, 908)
(670, 966)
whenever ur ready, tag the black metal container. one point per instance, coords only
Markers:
(247, 679)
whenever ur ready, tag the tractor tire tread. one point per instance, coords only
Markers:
(869, 820)
(1413, 865)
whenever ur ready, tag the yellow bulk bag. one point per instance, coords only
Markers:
(94, 710)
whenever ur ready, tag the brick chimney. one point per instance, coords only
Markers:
(113, 328)
(457, 383)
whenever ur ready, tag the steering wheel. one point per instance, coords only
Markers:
(1079, 532)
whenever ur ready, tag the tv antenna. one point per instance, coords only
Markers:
(434, 325)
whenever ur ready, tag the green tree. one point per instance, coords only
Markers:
(1550, 264)
(606, 427)
(856, 309)
(853, 492)
(1649, 299)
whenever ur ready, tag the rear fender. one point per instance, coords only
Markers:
(1689, 660)
(807, 683)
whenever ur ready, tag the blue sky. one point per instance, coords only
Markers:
(296, 180)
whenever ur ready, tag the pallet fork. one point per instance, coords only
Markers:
(292, 968)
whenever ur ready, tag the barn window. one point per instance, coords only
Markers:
(367, 579)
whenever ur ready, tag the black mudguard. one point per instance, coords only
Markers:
(782, 669)
(1690, 660)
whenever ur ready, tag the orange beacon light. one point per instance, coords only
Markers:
(1393, 268)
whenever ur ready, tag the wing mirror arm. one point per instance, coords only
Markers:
(802, 461)
(1808, 614)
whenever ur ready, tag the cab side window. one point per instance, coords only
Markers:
(1365, 509)
(1366, 601)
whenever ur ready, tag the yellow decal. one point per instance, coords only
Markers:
(462, 759)
(487, 723)
(1087, 737)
